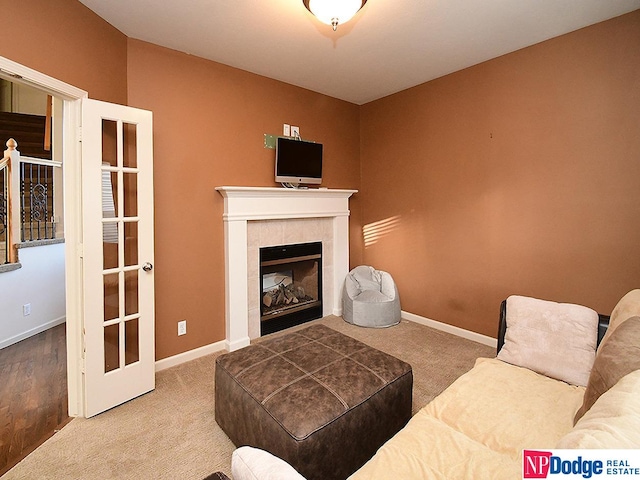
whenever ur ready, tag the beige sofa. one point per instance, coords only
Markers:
(478, 427)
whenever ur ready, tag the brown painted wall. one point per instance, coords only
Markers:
(516, 176)
(209, 122)
(67, 41)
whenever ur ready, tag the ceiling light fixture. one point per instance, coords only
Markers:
(334, 12)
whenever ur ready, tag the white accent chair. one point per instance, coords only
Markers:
(370, 298)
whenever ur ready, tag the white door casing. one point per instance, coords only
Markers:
(72, 100)
(118, 254)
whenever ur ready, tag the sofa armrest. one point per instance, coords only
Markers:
(248, 463)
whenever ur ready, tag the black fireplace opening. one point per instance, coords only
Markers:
(290, 285)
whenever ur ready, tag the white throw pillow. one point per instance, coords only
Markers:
(248, 463)
(555, 339)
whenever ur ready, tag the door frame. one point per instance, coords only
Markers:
(72, 172)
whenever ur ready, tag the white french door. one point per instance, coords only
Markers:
(117, 254)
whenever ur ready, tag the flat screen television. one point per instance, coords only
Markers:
(298, 162)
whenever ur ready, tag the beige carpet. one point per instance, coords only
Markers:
(171, 433)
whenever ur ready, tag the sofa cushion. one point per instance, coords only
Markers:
(612, 422)
(618, 355)
(428, 448)
(508, 408)
(478, 427)
(556, 339)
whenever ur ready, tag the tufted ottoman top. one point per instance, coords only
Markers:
(307, 379)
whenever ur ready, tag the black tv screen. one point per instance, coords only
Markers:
(298, 161)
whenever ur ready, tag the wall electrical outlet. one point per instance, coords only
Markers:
(286, 130)
(295, 131)
(182, 327)
(26, 309)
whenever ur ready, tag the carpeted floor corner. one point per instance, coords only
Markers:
(171, 433)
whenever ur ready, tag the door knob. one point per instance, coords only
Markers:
(147, 267)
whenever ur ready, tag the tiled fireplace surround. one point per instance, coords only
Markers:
(257, 217)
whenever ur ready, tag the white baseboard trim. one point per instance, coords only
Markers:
(444, 327)
(169, 362)
(222, 345)
(32, 332)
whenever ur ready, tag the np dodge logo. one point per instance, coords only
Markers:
(539, 464)
(580, 463)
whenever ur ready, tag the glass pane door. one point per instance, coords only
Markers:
(117, 254)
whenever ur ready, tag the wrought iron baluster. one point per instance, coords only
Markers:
(46, 203)
(4, 213)
(23, 202)
(36, 202)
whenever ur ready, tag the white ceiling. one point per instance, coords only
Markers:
(389, 46)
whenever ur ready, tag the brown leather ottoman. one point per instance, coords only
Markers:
(320, 400)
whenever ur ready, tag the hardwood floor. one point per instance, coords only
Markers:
(33, 394)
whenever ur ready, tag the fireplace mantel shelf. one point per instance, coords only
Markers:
(227, 191)
(244, 204)
(269, 203)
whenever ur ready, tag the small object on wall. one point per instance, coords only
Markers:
(182, 327)
(270, 141)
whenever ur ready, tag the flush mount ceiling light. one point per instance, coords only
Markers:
(334, 12)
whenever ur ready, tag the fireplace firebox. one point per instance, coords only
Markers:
(290, 285)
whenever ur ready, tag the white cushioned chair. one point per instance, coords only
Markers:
(370, 298)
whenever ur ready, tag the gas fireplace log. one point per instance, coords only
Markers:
(284, 295)
(280, 297)
(267, 300)
(289, 297)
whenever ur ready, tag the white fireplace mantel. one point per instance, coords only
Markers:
(243, 204)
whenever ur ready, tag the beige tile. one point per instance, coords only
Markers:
(253, 234)
(327, 285)
(271, 233)
(254, 323)
(253, 285)
(253, 262)
(311, 230)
